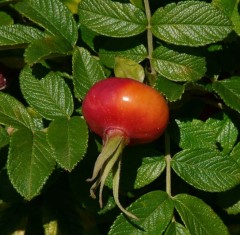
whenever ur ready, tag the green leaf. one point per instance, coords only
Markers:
(112, 19)
(234, 209)
(138, 3)
(218, 132)
(44, 48)
(176, 229)
(136, 53)
(229, 91)
(50, 96)
(125, 68)
(30, 162)
(5, 19)
(190, 23)
(178, 66)
(172, 90)
(235, 154)
(231, 10)
(198, 217)
(52, 16)
(150, 209)
(72, 5)
(36, 117)
(140, 167)
(68, 139)
(4, 137)
(18, 35)
(13, 113)
(151, 169)
(86, 72)
(206, 169)
(227, 132)
(235, 18)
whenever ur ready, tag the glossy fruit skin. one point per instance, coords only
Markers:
(124, 104)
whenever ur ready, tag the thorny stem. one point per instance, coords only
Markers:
(149, 37)
(168, 164)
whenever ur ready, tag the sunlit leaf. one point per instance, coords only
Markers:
(112, 19)
(206, 169)
(50, 96)
(178, 66)
(52, 16)
(190, 23)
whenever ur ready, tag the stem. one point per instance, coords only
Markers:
(168, 164)
(149, 37)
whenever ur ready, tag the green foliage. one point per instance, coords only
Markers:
(5, 19)
(52, 16)
(150, 209)
(212, 170)
(198, 217)
(229, 90)
(50, 97)
(13, 113)
(30, 162)
(18, 35)
(125, 68)
(53, 51)
(178, 67)
(190, 23)
(112, 18)
(68, 139)
(86, 71)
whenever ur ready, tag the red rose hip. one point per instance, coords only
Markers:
(122, 111)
